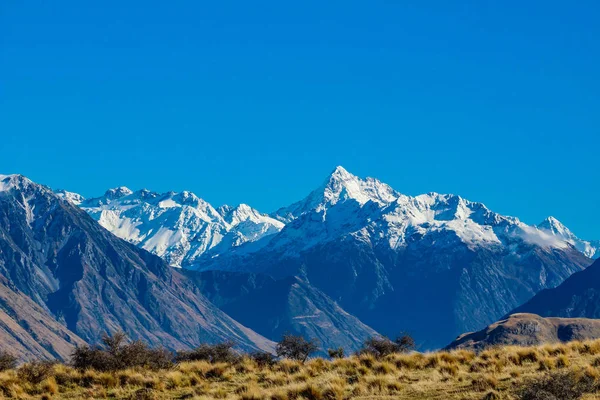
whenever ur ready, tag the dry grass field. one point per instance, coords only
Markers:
(501, 373)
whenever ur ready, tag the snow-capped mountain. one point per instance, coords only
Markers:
(71, 197)
(65, 280)
(178, 227)
(553, 226)
(429, 261)
(183, 229)
(340, 186)
(368, 208)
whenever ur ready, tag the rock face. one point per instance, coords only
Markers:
(28, 331)
(578, 296)
(433, 265)
(274, 307)
(528, 330)
(91, 282)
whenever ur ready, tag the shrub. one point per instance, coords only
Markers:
(556, 386)
(7, 361)
(214, 353)
(296, 347)
(336, 353)
(378, 346)
(381, 346)
(262, 358)
(404, 343)
(117, 354)
(35, 372)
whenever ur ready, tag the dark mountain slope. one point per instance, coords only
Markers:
(30, 332)
(93, 282)
(273, 307)
(578, 296)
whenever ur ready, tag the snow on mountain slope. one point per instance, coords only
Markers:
(74, 198)
(554, 227)
(346, 204)
(178, 227)
(182, 228)
(340, 186)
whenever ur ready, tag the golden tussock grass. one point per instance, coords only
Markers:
(496, 373)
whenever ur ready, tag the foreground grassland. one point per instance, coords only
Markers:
(493, 374)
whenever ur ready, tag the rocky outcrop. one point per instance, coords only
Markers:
(528, 330)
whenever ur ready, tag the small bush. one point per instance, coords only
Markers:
(262, 358)
(35, 372)
(336, 353)
(381, 346)
(213, 353)
(296, 347)
(405, 343)
(117, 354)
(556, 386)
(7, 361)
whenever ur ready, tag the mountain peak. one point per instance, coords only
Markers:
(552, 222)
(8, 182)
(71, 197)
(555, 227)
(340, 185)
(340, 172)
(117, 193)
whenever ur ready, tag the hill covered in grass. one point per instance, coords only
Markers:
(556, 371)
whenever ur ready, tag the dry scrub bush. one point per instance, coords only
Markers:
(336, 353)
(296, 347)
(557, 386)
(214, 353)
(35, 372)
(7, 361)
(116, 354)
(381, 346)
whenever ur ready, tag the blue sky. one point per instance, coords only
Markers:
(257, 102)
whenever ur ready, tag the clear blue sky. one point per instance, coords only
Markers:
(498, 101)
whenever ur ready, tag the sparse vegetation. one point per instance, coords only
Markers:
(381, 346)
(560, 371)
(296, 347)
(336, 353)
(116, 354)
(214, 353)
(7, 361)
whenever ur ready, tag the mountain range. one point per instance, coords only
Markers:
(65, 280)
(355, 258)
(395, 262)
